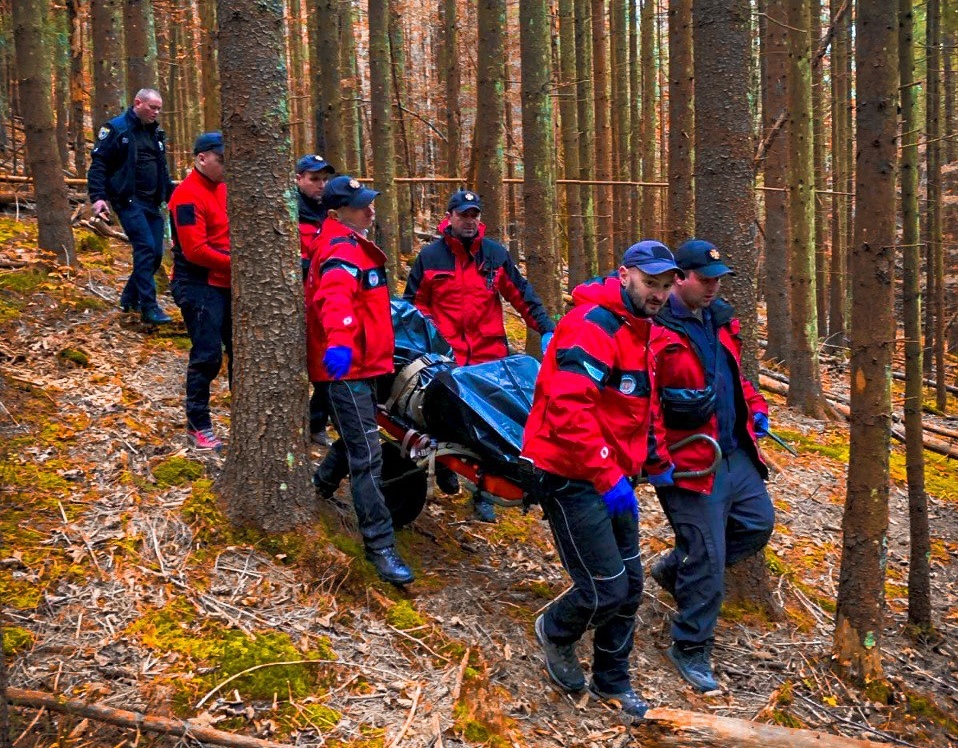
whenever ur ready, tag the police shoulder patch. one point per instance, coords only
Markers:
(104, 131)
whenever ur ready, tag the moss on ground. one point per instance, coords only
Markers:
(177, 471)
(16, 639)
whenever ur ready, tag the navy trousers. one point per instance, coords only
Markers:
(143, 224)
(358, 453)
(207, 312)
(601, 554)
(713, 531)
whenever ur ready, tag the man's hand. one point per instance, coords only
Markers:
(661, 480)
(760, 423)
(621, 498)
(101, 207)
(338, 360)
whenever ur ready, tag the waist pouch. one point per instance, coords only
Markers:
(687, 409)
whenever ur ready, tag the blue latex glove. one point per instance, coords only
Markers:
(621, 498)
(337, 361)
(546, 339)
(663, 479)
(760, 422)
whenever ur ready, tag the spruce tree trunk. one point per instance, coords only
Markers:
(384, 151)
(352, 93)
(77, 96)
(265, 481)
(605, 251)
(328, 79)
(919, 582)
(841, 157)
(451, 76)
(774, 105)
(680, 218)
(585, 112)
(860, 613)
(140, 42)
(621, 126)
(649, 132)
(33, 56)
(489, 133)
(568, 111)
(805, 388)
(109, 95)
(212, 111)
(61, 90)
(635, 127)
(820, 171)
(405, 207)
(935, 262)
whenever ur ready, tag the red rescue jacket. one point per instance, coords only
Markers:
(678, 366)
(201, 231)
(461, 292)
(592, 411)
(347, 303)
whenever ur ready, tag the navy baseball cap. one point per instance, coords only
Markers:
(208, 141)
(344, 191)
(312, 162)
(703, 257)
(651, 257)
(463, 200)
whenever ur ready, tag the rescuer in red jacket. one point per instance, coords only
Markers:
(590, 433)
(349, 342)
(722, 518)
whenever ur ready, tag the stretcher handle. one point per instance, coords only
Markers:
(694, 473)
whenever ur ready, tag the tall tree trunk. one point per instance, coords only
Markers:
(538, 153)
(265, 480)
(489, 136)
(106, 24)
(680, 219)
(451, 76)
(841, 157)
(140, 42)
(859, 617)
(621, 125)
(328, 94)
(724, 177)
(774, 107)
(635, 127)
(948, 83)
(585, 111)
(404, 164)
(919, 580)
(649, 72)
(300, 111)
(33, 55)
(61, 77)
(820, 171)
(568, 111)
(605, 251)
(77, 126)
(352, 92)
(384, 151)
(935, 263)
(212, 112)
(805, 388)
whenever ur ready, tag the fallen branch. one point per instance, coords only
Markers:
(136, 720)
(412, 713)
(683, 728)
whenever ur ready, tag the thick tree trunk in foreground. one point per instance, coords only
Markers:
(266, 476)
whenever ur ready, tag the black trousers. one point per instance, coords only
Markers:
(601, 554)
(358, 453)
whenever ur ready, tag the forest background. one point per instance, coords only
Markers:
(809, 142)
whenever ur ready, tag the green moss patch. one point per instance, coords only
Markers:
(16, 639)
(24, 281)
(177, 471)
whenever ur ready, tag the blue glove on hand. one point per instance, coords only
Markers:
(546, 339)
(663, 479)
(621, 498)
(337, 361)
(760, 422)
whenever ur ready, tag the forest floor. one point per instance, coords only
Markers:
(123, 585)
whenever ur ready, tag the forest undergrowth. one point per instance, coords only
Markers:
(123, 584)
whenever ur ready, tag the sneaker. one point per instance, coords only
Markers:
(694, 666)
(204, 439)
(629, 701)
(561, 661)
(155, 317)
(482, 508)
(320, 438)
(664, 573)
(389, 565)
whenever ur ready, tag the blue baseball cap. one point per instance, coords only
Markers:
(703, 257)
(208, 141)
(343, 191)
(651, 257)
(463, 200)
(312, 162)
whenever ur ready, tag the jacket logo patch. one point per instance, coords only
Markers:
(104, 131)
(592, 371)
(186, 214)
(373, 278)
(627, 385)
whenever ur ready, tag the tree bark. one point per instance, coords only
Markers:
(568, 111)
(819, 170)
(77, 96)
(859, 617)
(328, 78)
(61, 85)
(585, 111)
(649, 131)
(841, 159)
(265, 480)
(919, 571)
(489, 133)
(30, 37)
(405, 206)
(452, 78)
(935, 263)
(680, 220)
(352, 93)
(605, 251)
(621, 125)
(109, 95)
(140, 42)
(212, 110)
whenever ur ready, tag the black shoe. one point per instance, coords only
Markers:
(483, 509)
(561, 663)
(447, 481)
(128, 307)
(664, 573)
(629, 701)
(324, 489)
(389, 565)
(155, 317)
(694, 666)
